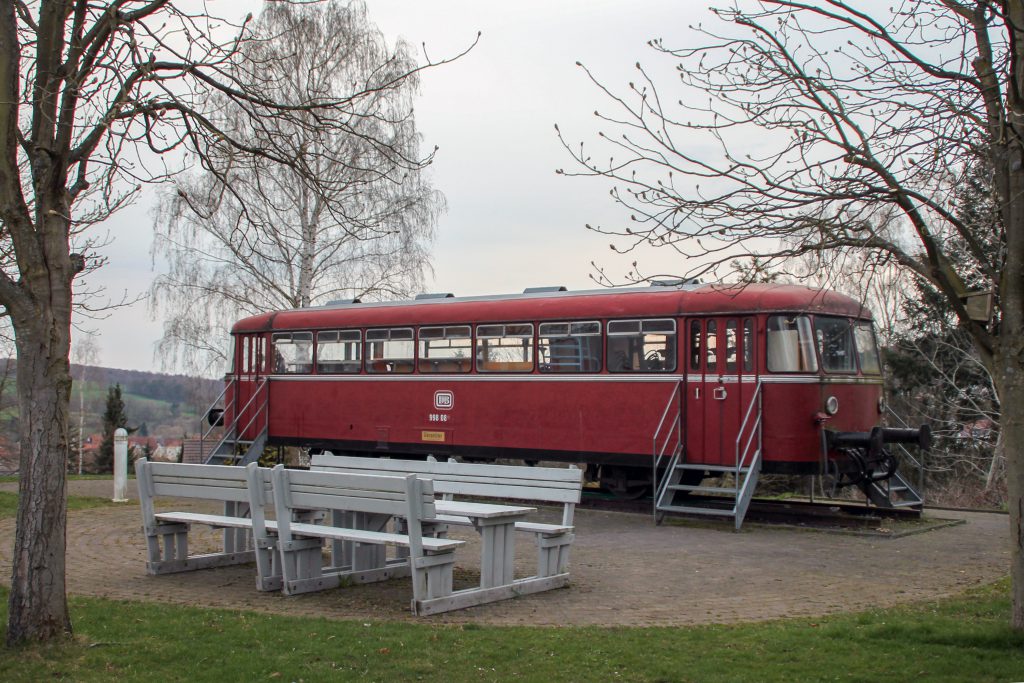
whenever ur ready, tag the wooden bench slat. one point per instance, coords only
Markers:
(555, 475)
(379, 537)
(329, 501)
(229, 472)
(235, 495)
(539, 528)
(210, 520)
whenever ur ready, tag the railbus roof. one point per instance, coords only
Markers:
(552, 304)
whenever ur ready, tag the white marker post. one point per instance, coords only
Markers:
(120, 466)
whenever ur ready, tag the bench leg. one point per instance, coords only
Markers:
(167, 552)
(237, 540)
(302, 566)
(432, 577)
(268, 565)
(347, 555)
(553, 554)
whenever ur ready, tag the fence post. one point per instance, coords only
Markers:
(120, 466)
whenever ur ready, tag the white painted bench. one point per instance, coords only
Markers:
(358, 502)
(243, 492)
(509, 482)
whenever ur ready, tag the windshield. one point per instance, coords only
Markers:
(835, 344)
(790, 344)
(867, 349)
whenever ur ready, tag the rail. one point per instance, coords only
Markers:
(906, 455)
(746, 491)
(674, 427)
(233, 433)
(205, 435)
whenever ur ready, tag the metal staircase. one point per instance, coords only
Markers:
(231, 448)
(732, 496)
(897, 491)
(894, 492)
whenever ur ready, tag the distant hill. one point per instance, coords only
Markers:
(157, 404)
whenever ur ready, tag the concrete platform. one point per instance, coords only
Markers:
(625, 571)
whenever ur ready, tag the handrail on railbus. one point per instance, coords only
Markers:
(203, 435)
(918, 464)
(755, 400)
(743, 492)
(656, 453)
(261, 384)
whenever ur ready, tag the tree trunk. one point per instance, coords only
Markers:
(1011, 395)
(38, 604)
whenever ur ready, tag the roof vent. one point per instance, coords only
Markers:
(344, 302)
(675, 282)
(541, 290)
(439, 295)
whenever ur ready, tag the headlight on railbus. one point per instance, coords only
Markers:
(832, 405)
(881, 405)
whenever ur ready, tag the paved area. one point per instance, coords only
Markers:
(625, 571)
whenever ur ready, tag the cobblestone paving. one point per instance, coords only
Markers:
(625, 571)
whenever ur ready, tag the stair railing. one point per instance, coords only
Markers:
(205, 435)
(754, 438)
(907, 456)
(232, 432)
(658, 451)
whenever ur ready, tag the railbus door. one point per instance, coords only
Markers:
(250, 352)
(714, 391)
(747, 382)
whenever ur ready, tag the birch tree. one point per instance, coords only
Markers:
(351, 215)
(823, 126)
(92, 94)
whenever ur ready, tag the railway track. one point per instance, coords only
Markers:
(817, 514)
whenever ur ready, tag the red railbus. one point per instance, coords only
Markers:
(593, 377)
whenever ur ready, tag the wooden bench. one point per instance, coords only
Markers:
(374, 499)
(243, 492)
(510, 482)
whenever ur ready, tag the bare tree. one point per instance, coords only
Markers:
(90, 95)
(350, 215)
(86, 353)
(822, 127)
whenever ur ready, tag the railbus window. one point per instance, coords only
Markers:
(748, 345)
(504, 348)
(446, 349)
(390, 351)
(711, 342)
(695, 349)
(835, 344)
(641, 345)
(867, 349)
(293, 352)
(337, 351)
(569, 347)
(791, 344)
(244, 356)
(731, 340)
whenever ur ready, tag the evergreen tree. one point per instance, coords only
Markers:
(114, 417)
(935, 374)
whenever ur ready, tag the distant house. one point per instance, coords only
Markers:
(979, 429)
(9, 457)
(193, 452)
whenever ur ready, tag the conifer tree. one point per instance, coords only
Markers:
(114, 417)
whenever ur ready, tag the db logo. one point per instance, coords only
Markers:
(444, 400)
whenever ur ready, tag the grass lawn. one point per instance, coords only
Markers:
(964, 639)
(9, 504)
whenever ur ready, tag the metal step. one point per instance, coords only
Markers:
(906, 503)
(690, 510)
(729, 490)
(711, 468)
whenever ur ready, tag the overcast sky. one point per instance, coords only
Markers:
(512, 222)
